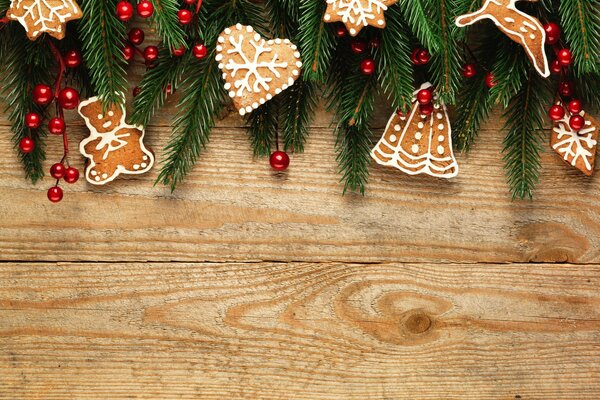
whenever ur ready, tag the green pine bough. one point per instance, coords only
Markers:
(351, 76)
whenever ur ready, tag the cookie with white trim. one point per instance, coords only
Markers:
(577, 148)
(255, 69)
(357, 14)
(44, 16)
(113, 147)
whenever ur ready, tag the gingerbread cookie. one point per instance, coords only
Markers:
(518, 26)
(44, 16)
(255, 69)
(577, 149)
(113, 147)
(419, 144)
(356, 14)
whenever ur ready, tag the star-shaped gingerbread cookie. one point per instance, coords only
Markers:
(44, 16)
(356, 14)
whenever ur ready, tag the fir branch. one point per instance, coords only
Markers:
(284, 16)
(316, 40)
(394, 65)
(417, 17)
(475, 106)
(167, 24)
(580, 20)
(102, 36)
(588, 89)
(153, 95)
(510, 70)
(525, 135)
(262, 127)
(298, 105)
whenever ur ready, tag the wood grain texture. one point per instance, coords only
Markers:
(299, 331)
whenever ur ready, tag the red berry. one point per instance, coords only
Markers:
(26, 145)
(367, 66)
(424, 96)
(178, 52)
(358, 46)
(136, 36)
(136, 91)
(555, 67)
(414, 56)
(199, 51)
(340, 31)
(71, 175)
(566, 89)
(57, 126)
(55, 194)
(128, 52)
(57, 171)
(375, 43)
(184, 16)
(279, 161)
(426, 109)
(556, 112)
(575, 107)
(564, 57)
(423, 56)
(552, 33)
(169, 89)
(490, 80)
(145, 8)
(68, 98)
(33, 120)
(124, 11)
(577, 122)
(190, 2)
(72, 59)
(151, 53)
(469, 71)
(42, 94)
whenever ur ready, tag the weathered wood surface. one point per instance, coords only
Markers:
(299, 331)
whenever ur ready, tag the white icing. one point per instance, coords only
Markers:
(415, 148)
(418, 135)
(393, 138)
(397, 128)
(357, 13)
(576, 145)
(40, 16)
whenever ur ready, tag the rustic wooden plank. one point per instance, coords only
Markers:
(299, 331)
(235, 208)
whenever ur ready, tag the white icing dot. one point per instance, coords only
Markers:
(145, 158)
(441, 127)
(284, 86)
(436, 106)
(397, 128)
(532, 36)
(238, 26)
(277, 41)
(219, 58)
(219, 48)
(420, 125)
(94, 173)
(588, 123)
(228, 30)
(439, 116)
(297, 54)
(136, 166)
(100, 116)
(415, 148)
(110, 113)
(144, 165)
(393, 138)
(232, 94)
(327, 17)
(248, 109)
(286, 41)
(97, 178)
(242, 112)
(227, 86)
(295, 73)
(269, 96)
(294, 47)
(352, 31)
(104, 176)
(255, 105)
(277, 91)
(418, 135)
(257, 37)
(299, 64)
(441, 138)
(380, 22)
(222, 39)
(440, 149)
(262, 101)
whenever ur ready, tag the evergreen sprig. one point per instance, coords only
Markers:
(316, 40)
(167, 24)
(475, 106)
(262, 127)
(297, 110)
(509, 69)
(416, 14)
(580, 21)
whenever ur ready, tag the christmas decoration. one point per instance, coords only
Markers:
(520, 27)
(255, 69)
(356, 14)
(44, 16)
(577, 147)
(419, 144)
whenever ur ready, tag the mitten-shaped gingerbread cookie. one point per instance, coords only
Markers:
(518, 26)
(113, 147)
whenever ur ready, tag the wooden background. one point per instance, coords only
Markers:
(247, 284)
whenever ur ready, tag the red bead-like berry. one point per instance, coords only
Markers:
(169, 89)
(71, 175)
(552, 33)
(136, 91)
(368, 66)
(151, 53)
(564, 57)
(33, 120)
(128, 52)
(490, 80)
(136, 36)
(42, 95)
(57, 126)
(68, 98)
(577, 122)
(178, 52)
(55, 194)
(279, 161)
(556, 112)
(145, 9)
(340, 31)
(124, 11)
(57, 171)
(555, 67)
(358, 46)
(566, 89)
(26, 145)
(184, 16)
(469, 71)
(414, 56)
(72, 59)
(575, 106)
(423, 56)
(199, 51)
(426, 109)
(424, 96)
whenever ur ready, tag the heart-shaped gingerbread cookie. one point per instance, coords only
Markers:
(255, 69)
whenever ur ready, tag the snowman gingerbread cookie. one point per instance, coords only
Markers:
(113, 147)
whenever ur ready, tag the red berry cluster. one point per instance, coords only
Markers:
(425, 98)
(420, 57)
(470, 71)
(360, 46)
(124, 11)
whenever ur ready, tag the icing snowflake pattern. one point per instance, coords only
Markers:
(255, 69)
(357, 14)
(44, 16)
(576, 147)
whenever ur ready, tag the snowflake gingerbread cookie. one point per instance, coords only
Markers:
(255, 69)
(577, 149)
(113, 147)
(357, 14)
(517, 25)
(44, 16)
(419, 144)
